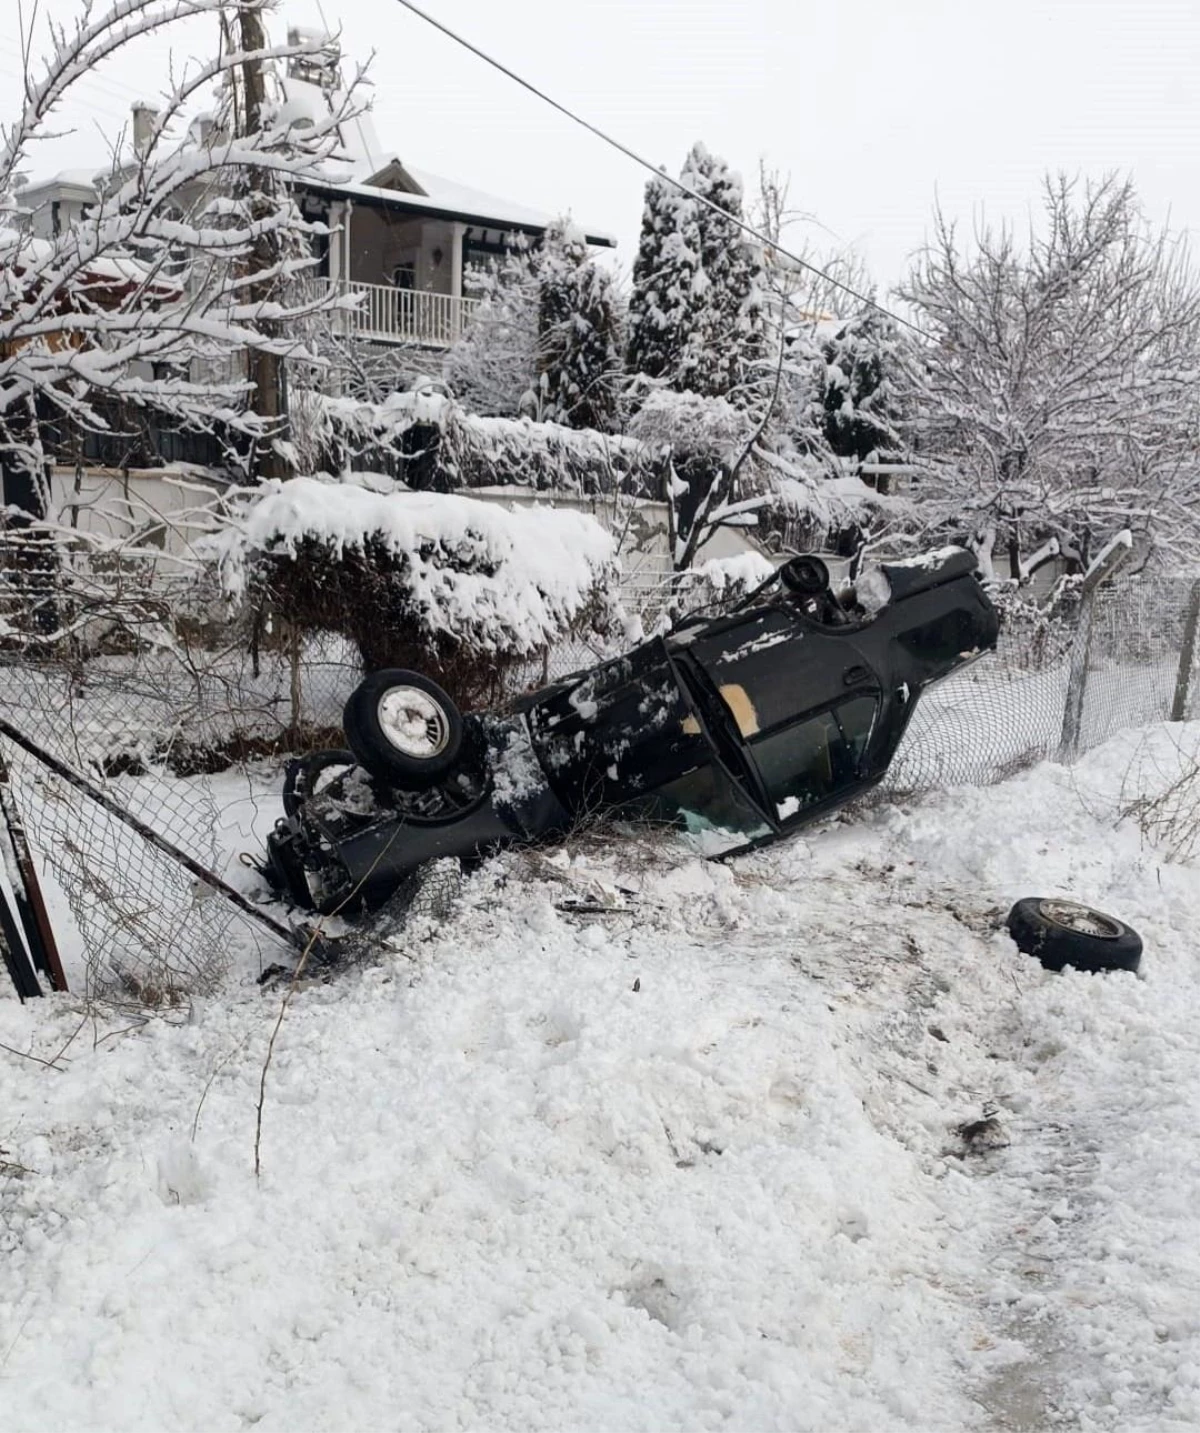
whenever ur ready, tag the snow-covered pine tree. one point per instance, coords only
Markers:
(861, 365)
(724, 349)
(578, 334)
(665, 280)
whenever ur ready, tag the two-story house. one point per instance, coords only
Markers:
(401, 238)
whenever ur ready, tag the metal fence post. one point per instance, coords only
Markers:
(1081, 651)
(1106, 566)
(1187, 656)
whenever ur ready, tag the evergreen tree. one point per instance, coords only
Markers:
(860, 409)
(492, 369)
(665, 280)
(696, 317)
(726, 342)
(578, 334)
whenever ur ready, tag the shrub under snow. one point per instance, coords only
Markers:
(449, 583)
(432, 442)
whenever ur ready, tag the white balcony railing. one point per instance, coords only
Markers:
(391, 315)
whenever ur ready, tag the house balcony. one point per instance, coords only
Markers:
(385, 314)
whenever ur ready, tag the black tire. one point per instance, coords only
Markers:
(302, 774)
(805, 576)
(1059, 933)
(417, 755)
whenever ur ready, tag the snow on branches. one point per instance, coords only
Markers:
(1057, 392)
(696, 318)
(545, 342)
(432, 442)
(153, 296)
(578, 335)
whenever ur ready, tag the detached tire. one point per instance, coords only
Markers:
(805, 576)
(404, 729)
(1060, 933)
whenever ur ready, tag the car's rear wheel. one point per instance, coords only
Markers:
(1060, 932)
(805, 576)
(403, 728)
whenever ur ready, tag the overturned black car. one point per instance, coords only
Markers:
(740, 728)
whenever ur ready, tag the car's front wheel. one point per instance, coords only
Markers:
(1060, 932)
(403, 728)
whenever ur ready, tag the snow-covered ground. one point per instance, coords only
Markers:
(696, 1162)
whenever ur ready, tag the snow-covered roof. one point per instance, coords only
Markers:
(362, 161)
(453, 201)
(84, 179)
(365, 160)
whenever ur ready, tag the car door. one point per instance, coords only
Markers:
(803, 702)
(769, 665)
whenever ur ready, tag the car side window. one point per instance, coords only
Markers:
(806, 761)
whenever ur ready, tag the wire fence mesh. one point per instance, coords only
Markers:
(159, 726)
(158, 731)
(1055, 690)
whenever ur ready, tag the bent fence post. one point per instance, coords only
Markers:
(1187, 657)
(148, 834)
(27, 889)
(16, 960)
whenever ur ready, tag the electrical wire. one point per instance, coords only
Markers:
(653, 169)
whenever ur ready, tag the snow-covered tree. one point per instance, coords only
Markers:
(863, 369)
(666, 276)
(724, 347)
(545, 340)
(706, 443)
(492, 368)
(695, 316)
(1056, 396)
(578, 335)
(106, 310)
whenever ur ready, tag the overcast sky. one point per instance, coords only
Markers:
(873, 109)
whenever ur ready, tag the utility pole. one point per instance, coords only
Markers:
(264, 370)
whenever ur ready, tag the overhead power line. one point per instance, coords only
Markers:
(652, 168)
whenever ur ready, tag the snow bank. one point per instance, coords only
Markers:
(513, 579)
(694, 1162)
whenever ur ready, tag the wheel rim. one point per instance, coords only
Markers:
(1080, 919)
(413, 723)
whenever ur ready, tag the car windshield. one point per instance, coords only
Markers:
(807, 761)
(706, 802)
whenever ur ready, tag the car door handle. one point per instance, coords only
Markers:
(853, 676)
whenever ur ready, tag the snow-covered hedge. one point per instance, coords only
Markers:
(433, 443)
(435, 580)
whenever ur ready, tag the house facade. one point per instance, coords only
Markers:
(401, 241)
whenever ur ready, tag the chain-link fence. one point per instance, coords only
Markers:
(1053, 690)
(171, 731)
(170, 736)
